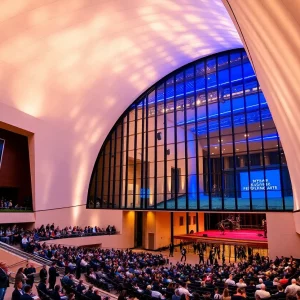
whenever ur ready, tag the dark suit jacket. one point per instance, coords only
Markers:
(42, 287)
(16, 295)
(52, 274)
(55, 296)
(26, 297)
(80, 288)
(4, 281)
(43, 274)
(278, 295)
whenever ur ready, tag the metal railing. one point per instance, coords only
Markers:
(28, 256)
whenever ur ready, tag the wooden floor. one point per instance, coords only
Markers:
(250, 238)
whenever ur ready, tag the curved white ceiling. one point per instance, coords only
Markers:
(76, 65)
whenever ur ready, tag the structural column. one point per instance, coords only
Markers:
(172, 227)
(187, 223)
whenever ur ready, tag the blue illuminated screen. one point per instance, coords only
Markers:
(145, 193)
(259, 184)
(1, 150)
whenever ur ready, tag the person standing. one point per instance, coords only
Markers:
(180, 246)
(30, 275)
(265, 229)
(183, 254)
(223, 257)
(4, 280)
(18, 292)
(171, 249)
(43, 273)
(201, 257)
(52, 276)
(195, 247)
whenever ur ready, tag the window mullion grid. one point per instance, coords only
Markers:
(246, 128)
(127, 159)
(165, 147)
(262, 146)
(209, 174)
(185, 143)
(280, 171)
(220, 135)
(144, 192)
(109, 173)
(175, 145)
(135, 154)
(103, 171)
(198, 198)
(233, 136)
(121, 164)
(114, 169)
(155, 149)
(147, 154)
(96, 183)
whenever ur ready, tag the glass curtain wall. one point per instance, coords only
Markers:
(202, 138)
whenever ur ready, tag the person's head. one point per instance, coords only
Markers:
(27, 289)
(262, 287)
(177, 292)
(241, 280)
(196, 296)
(57, 288)
(275, 279)
(279, 288)
(230, 276)
(216, 290)
(260, 280)
(71, 296)
(19, 285)
(80, 281)
(20, 270)
(225, 292)
(148, 287)
(294, 281)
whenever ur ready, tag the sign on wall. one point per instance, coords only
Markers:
(259, 184)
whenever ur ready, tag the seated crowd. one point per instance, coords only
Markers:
(4, 203)
(13, 234)
(144, 274)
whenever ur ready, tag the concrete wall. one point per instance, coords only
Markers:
(269, 31)
(159, 223)
(282, 236)
(12, 218)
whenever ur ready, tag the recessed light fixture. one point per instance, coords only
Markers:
(237, 149)
(212, 153)
(216, 147)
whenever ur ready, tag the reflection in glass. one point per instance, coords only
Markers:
(201, 139)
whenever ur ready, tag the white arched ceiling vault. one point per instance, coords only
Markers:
(69, 69)
(270, 30)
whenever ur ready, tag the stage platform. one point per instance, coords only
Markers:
(246, 237)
